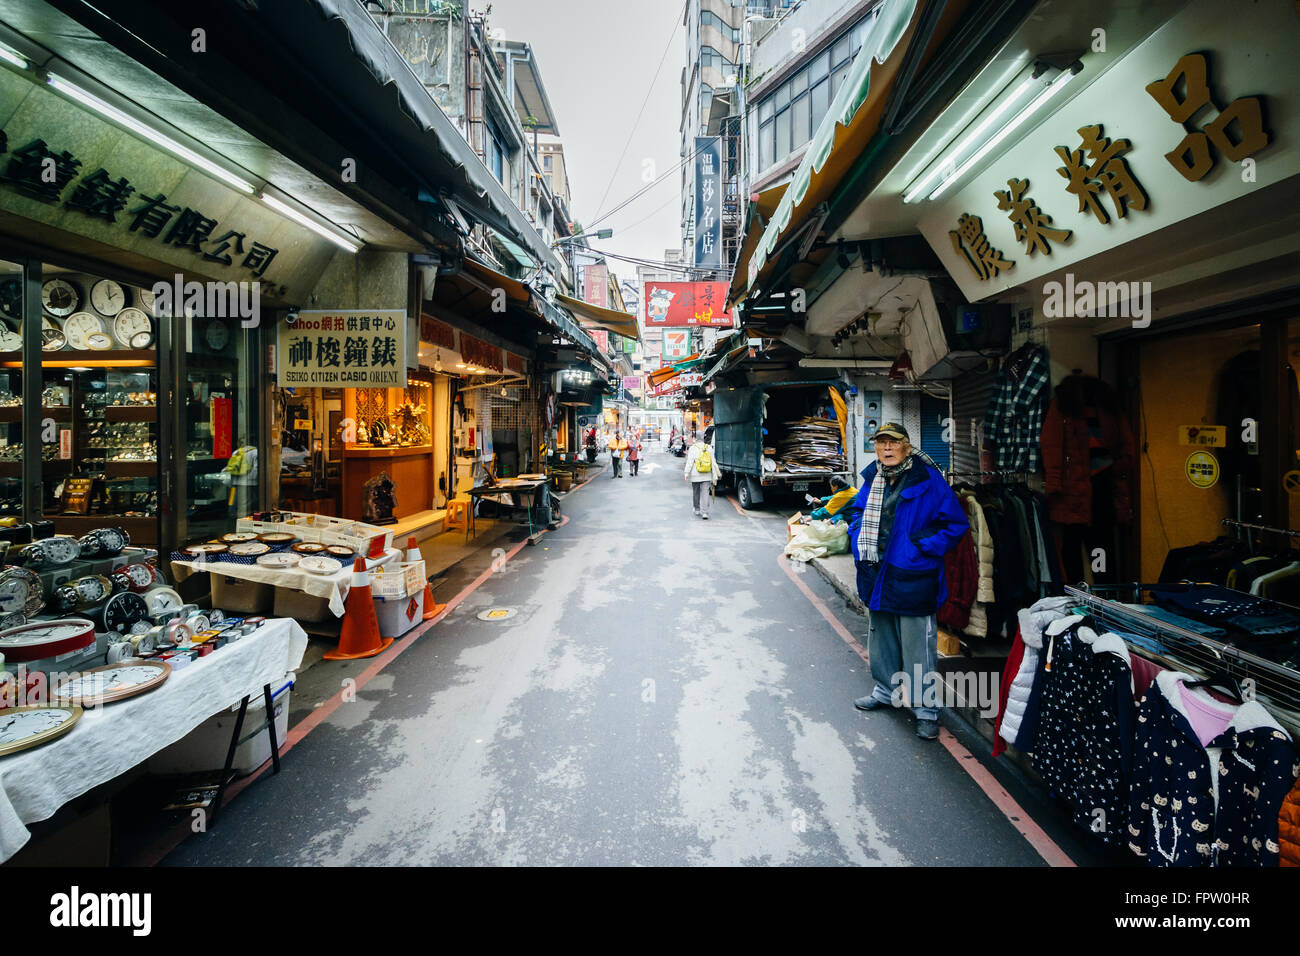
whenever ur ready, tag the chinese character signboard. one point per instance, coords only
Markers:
(676, 304)
(632, 382)
(708, 202)
(595, 285)
(676, 345)
(336, 349)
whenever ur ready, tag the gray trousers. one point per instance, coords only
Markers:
(904, 653)
(700, 496)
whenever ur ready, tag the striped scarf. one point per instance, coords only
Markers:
(869, 533)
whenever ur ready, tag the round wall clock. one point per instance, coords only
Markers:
(282, 560)
(104, 685)
(239, 537)
(79, 329)
(320, 565)
(60, 297)
(10, 340)
(275, 537)
(52, 340)
(31, 642)
(123, 610)
(201, 550)
(249, 549)
(11, 298)
(162, 600)
(217, 335)
(309, 547)
(107, 297)
(131, 324)
(25, 727)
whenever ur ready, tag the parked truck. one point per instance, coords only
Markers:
(753, 423)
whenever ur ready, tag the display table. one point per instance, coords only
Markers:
(333, 587)
(110, 740)
(528, 494)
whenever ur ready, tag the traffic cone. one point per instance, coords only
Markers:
(360, 634)
(431, 610)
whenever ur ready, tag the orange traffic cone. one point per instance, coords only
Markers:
(431, 610)
(360, 635)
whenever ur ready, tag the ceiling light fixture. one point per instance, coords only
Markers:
(1015, 123)
(336, 237)
(154, 136)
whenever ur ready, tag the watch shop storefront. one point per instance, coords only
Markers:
(135, 291)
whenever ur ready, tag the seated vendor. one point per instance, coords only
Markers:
(841, 494)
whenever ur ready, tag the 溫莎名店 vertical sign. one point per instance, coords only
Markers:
(343, 349)
(708, 203)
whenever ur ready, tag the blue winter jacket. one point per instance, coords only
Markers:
(927, 525)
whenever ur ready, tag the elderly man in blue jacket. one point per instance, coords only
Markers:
(903, 521)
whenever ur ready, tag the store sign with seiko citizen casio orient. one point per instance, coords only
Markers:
(343, 349)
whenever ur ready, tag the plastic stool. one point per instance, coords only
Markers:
(457, 514)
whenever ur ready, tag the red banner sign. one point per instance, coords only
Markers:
(437, 333)
(686, 303)
(595, 285)
(477, 352)
(222, 427)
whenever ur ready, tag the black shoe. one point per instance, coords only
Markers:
(870, 703)
(927, 729)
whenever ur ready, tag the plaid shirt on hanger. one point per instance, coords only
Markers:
(1014, 420)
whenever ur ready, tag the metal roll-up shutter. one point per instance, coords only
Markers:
(934, 414)
(971, 392)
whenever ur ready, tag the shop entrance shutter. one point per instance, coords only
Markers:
(934, 412)
(971, 392)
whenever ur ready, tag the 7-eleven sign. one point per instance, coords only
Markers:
(677, 344)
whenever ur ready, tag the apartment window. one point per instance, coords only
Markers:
(710, 19)
(498, 154)
(711, 57)
(546, 162)
(790, 114)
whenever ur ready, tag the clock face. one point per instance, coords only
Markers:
(47, 632)
(107, 297)
(144, 299)
(142, 340)
(24, 727)
(60, 297)
(99, 341)
(20, 591)
(217, 335)
(10, 341)
(80, 327)
(129, 324)
(11, 298)
(114, 682)
(123, 610)
(52, 340)
(160, 600)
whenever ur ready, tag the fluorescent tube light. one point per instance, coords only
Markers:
(149, 133)
(351, 245)
(921, 188)
(13, 57)
(845, 363)
(1057, 85)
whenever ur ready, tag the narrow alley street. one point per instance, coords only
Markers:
(665, 693)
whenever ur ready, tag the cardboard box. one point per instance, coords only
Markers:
(301, 606)
(239, 596)
(791, 523)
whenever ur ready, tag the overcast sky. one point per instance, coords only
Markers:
(596, 59)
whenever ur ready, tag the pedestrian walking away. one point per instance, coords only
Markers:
(702, 472)
(902, 522)
(633, 454)
(617, 451)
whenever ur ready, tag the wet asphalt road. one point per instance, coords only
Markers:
(664, 695)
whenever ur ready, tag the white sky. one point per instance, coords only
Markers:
(596, 58)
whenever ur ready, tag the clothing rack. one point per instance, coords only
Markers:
(1233, 523)
(1004, 475)
(1275, 686)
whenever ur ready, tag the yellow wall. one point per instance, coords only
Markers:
(1179, 388)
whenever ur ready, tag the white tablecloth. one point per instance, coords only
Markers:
(335, 587)
(110, 740)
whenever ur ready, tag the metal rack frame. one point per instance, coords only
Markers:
(1234, 523)
(1015, 475)
(1276, 686)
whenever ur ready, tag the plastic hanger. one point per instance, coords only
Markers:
(1221, 681)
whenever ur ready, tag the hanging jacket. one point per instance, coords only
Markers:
(1020, 684)
(1215, 805)
(961, 574)
(1288, 828)
(928, 522)
(1066, 450)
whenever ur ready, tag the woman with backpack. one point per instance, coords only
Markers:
(702, 471)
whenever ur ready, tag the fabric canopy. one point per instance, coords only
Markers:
(853, 119)
(611, 320)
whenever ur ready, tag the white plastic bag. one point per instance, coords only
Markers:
(817, 539)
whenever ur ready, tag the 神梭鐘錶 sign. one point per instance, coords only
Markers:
(343, 349)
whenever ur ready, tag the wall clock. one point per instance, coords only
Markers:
(24, 727)
(104, 685)
(32, 642)
(107, 297)
(81, 327)
(132, 326)
(60, 297)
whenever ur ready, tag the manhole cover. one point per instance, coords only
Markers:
(497, 614)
